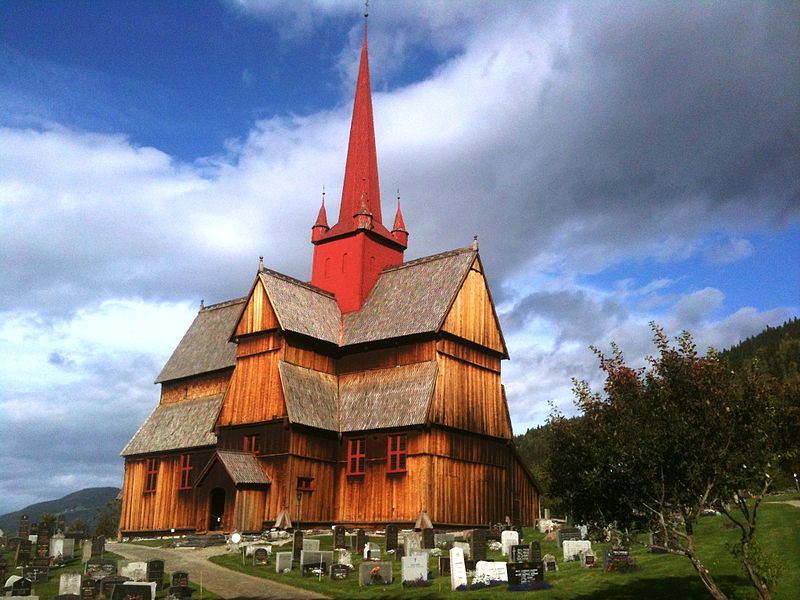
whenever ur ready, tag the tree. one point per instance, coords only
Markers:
(664, 443)
(107, 519)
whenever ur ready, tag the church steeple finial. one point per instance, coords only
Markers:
(320, 226)
(399, 228)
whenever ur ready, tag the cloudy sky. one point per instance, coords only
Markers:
(621, 162)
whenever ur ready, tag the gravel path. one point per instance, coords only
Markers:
(224, 582)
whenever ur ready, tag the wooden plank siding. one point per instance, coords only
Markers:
(200, 386)
(387, 357)
(255, 393)
(299, 353)
(472, 316)
(258, 314)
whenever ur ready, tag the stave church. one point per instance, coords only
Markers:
(369, 395)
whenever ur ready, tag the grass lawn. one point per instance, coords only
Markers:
(659, 576)
(49, 590)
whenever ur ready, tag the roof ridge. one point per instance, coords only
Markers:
(431, 258)
(223, 304)
(292, 280)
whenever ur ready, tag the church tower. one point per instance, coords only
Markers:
(349, 257)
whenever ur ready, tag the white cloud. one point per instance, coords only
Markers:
(732, 250)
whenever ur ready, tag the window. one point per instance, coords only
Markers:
(186, 472)
(398, 450)
(305, 484)
(151, 472)
(251, 444)
(356, 456)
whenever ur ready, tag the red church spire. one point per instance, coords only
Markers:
(349, 257)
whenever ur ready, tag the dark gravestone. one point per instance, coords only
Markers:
(98, 569)
(309, 568)
(36, 574)
(107, 584)
(23, 553)
(444, 566)
(391, 537)
(520, 553)
(524, 576)
(469, 564)
(60, 523)
(34, 529)
(536, 551)
(297, 545)
(340, 572)
(339, 540)
(21, 587)
(24, 526)
(478, 545)
(180, 592)
(98, 545)
(260, 557)
(132, 592)
(494, 533)
(518, 529)
(361, 540)
(42, 557)
(155, 571)
(88, 589)
(180, 579)
(568, 533)
(428, 540)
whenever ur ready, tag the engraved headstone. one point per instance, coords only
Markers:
(339, 572)
(458, 570)
(444, 566)
(106, 585)
(88, 589)
(524, 576)
(70, 583)
(345, 557)
(36, 574)
(550, 563)
(361, 540)
(413, 568)
(412, 541)
(155, 571)
(520, 553)
(465, 547)
(283, 561)
(572, 548)
(179, 592)
(494, 570)
(134, 591)
(297, 545)
(311, 545)
(427, 538)
(97, 568)
(98, 545)
(478, 544)
(567, 533)
(134, 570)
(588, 558)
(371, 573)
(260, 557)
(21, 586)
(508, 539)
(536, 551)
(180, 579)
(86, 551)
(23, 554)
(391, 537)
(339, 538)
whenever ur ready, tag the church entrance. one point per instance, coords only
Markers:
(216, 509)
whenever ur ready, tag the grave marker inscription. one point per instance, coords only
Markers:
(524, 576)
(339, 538)
(391, 537)
(478, 544)
(458, 569)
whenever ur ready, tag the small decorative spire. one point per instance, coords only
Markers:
(475, 243)
(202, 305)
(260, 264)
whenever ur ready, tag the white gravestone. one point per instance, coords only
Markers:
(283, 561)
(508, 539)
(311, 545)
(496, 571)
(136, 570)
(70, 583)
(458, 569)
(412, 541)
(572, 548)
(86, 551)
(345, 557)
(465, 546)
(414, 568)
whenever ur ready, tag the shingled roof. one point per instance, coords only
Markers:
(409, 299)
(205, 346)
(242, 467)
(302, 308)
(177, 426)
(374, 399)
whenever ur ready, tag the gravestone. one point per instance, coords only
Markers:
(361, 540)
(98, 545)
(60, 523)
(374, 552)
(314, 559)
(21, 586)
(508, 539)
(524, 576)
(88, 589)
(339, 572)
(345, 557)
(107, 584)
(70, 583)
(3, 569)
(42, 558)
(24, 526)
(567, 534)
(297, 545)
(412, 541)
(179, 592)
(283, 561)
(34, 529)
(444, 566)
(572, 548)
(260, 557)
(465, 547)
(478, 544)
(493, 570)
(427, 538)
(23, 553)
(339, 537)
(458, 570)
(134, 591)
(550, 563)
(61, 548)
(370, 573)
(97, 568)
(86, 551)
(414, 568)
(311, 545)
(134, 570)
(588, 558)
(180, 579)
(520, 553)
(155, 571)
(536, 551)
(391, 537)
(36, 574)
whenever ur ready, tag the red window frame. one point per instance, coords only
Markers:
(397, 453)
(305, 484)
(251, 444)
(151, 475)
(356, 456)
(186, 472)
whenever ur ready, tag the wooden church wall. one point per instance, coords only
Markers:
(472, 316)
(525, 496)
(469, 396)
(316, 506)
(258, 314)
(255, 393)
(200, 386)
(249, 514)
(304, 355)
(387, 357)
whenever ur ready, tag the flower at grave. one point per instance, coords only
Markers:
(375, 574)
(390, 552)
(436, 552)
(495, 546)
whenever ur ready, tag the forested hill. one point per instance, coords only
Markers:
(778, 348)
(82, 505)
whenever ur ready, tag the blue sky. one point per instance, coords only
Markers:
(621, 163)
